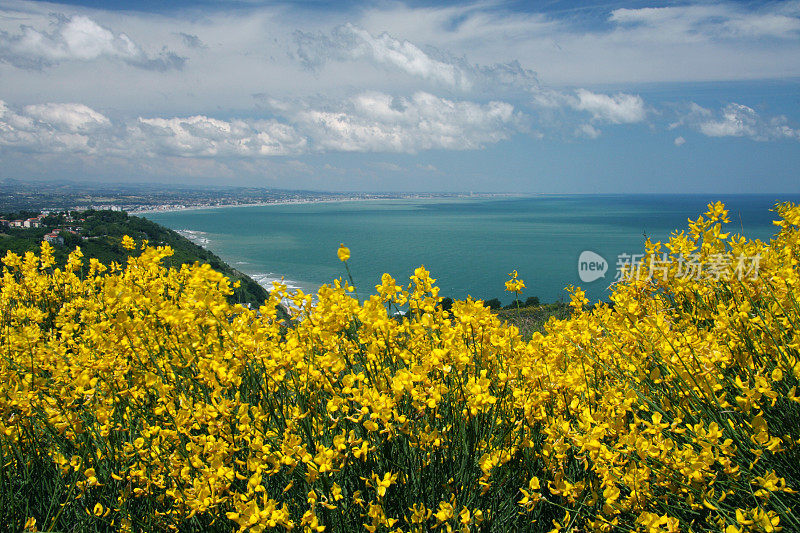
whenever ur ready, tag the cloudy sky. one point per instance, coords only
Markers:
(405, 96)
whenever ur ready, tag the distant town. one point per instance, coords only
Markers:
(59, 224)
(60, 196)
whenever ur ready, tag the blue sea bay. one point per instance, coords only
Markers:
(469, 244)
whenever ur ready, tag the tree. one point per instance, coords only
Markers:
(446, 303)
(494, 303)
(532, 301)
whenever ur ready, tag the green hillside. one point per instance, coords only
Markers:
(99, 234)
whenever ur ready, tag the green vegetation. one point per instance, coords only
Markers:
(531, 318)
(99, 235)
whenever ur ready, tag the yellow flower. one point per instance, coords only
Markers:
(161, 390)
(444, 513)
(343, 253)
(382, 484)
(515, 284)
(128, 243)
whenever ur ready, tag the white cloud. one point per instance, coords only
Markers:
(205, 136)
(370, 122)
(702, 22)
(378, 122)
(77, 38)
(689, 42)
(736, 120)
(386, 77)
(618, 109)
(403, 55)
(76, 128)
(353, 43)
(741, 121)
(679, 141)
(587, 130)
(58, 128)
(474, 51)
(73, 117)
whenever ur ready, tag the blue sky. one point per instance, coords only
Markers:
(552, 97)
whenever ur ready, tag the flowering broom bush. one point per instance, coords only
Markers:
(137, 398)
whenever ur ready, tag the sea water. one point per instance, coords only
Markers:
(468, 244)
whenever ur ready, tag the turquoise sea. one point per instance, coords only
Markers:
(469, 244)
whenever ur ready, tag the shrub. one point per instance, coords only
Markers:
(494, 303)
(141, 399)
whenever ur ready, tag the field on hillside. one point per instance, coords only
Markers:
(138, 398)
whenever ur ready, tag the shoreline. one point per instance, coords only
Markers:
(176, 209)
(262, 278)
(265, 278)
(256, 204)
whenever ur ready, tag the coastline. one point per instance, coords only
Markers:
(173, 209)
(264, 279)
(257, 204)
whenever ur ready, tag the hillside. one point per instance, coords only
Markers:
(99, 234)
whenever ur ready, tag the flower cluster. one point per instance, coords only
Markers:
(515, 284)
(135, 397)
